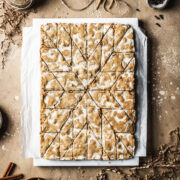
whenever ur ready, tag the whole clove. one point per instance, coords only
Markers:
(137, 9)
(158, 24)
(161, 16)
(157, 17)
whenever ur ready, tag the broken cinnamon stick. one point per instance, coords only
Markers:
(13, 177)
(9, 169)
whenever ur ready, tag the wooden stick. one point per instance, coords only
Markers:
(13, 177)
(9, 169)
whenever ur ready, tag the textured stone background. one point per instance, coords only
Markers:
(163, 83)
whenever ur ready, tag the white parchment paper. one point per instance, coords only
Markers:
(30, 92)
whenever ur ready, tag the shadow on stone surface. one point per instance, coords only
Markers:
(5, 122)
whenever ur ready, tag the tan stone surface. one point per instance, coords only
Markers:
(164, 93)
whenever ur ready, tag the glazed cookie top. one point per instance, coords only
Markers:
(87, 91)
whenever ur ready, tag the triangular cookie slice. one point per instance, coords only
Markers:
(107, 43)
(120, 62)
(49, 35)
(124, 40)
(68, 155)
(119, 120)
(104, 81)
(53, 150)
(43, 66)
(50, 99)
(64, 42)
(67, 27)
(66, 140)
(95, 34)
(94, 117)
(108, 141)
(45, 141)
(69, 81)
(124, 82)
(104, 99)
(94, 64)
(126, 99)
(52, 120)
(49, 82)
(69, 99)
(125, 145)
(80, 145)
(79, 65)
(46, 42)
(54, 60)
(131, 65)
(79, 116)
(95, 150)
(78, 35)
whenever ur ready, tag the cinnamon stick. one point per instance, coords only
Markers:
(13, 177)
(9, 169)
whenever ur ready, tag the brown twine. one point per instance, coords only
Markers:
(117, 2)
(104, 2)
(74, 9)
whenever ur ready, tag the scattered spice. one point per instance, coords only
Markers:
(161, 16)
(156, 2)
(157, 17)
(158, 24)
(163, 164)
(10, 26)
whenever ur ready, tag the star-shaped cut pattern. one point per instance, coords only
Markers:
(87, 91)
